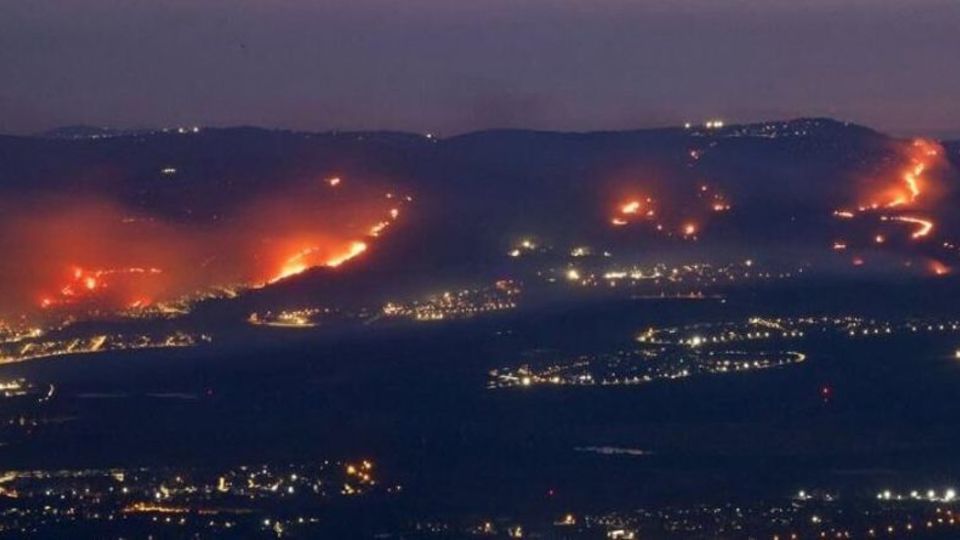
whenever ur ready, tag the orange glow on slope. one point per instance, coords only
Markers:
(300, 262)
(697, 208)
(65, 254)
(938, 268)
(720, 207)
(911, 183)
(913, 189)
(924, 226)
(313, 256)
(378, 228)
(631, 207)
(84, 284)
(356, 248)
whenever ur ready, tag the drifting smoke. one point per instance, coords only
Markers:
(66, 254)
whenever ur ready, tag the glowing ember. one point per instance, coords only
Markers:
(911, 181)
(378, 228)
(631, 207)
(96, 255)
(85, 284)
(356, 248)
(298, 263)
(924, 226)
(912, 185)
(721, 207)
(938, 268)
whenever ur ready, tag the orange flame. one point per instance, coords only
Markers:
(298, 263)
(924, 226)
(938, 268)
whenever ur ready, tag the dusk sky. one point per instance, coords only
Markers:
(449, 66)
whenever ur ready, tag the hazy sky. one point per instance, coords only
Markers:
(449, 66)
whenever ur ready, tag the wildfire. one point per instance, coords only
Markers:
(356, 248)
(708, 199)
(924, 226)
(721, 207)
(378, 228)
(631, 207)
(321, 255)
(299, 262)
(938, 268)
(66, 255)
(913, 185)
(84, 284)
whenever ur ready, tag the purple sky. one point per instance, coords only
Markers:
(449, 66)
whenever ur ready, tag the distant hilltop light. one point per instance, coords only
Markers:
(714, 124)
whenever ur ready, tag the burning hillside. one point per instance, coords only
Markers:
(71, 254)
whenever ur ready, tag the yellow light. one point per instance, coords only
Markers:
(356, 248)
(631, 207)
